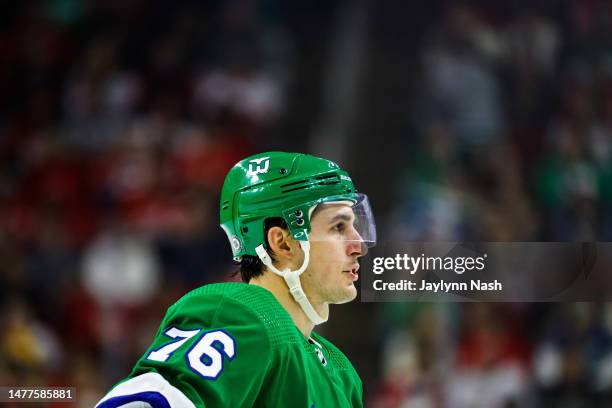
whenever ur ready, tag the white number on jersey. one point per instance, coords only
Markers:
(164, 353)
(203, 358)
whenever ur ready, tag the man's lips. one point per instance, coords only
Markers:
(353, 272)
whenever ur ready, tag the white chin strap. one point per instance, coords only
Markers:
(292, 278)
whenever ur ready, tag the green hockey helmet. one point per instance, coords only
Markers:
(286, 185)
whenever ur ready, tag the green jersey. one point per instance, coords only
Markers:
(234, 345)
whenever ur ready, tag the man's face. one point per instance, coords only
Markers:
(335, 246)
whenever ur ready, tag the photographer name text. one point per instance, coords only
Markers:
(435, 287)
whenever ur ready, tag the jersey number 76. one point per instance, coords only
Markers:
(203, 357)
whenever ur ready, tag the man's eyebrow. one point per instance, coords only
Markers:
(340, 217)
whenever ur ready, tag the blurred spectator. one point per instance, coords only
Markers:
(121, 272)
(28, 346)
(416, 362)
(192, 252)
(432, 207)
(119, 268)
(99, 99)
(572, 359)
(490, 369)
(461, 83)
(238, 89)
(568, 187)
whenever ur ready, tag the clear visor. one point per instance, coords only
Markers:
(346, 221)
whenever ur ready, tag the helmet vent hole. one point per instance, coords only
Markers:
(328, 179)
(294, 183)
(245, 230)
(283, 170)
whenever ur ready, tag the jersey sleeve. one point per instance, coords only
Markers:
(211, 349)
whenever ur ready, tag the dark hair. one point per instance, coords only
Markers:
(251, 266)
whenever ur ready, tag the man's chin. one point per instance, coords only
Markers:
(349, 294)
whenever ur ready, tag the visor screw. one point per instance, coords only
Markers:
(299, 213)
(283, 170)
(300, 222)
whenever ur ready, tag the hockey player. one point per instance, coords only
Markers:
(297, 226)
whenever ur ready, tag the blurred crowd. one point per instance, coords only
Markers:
(515, 145)
(119, 120)
(515, 128)
(497, 355)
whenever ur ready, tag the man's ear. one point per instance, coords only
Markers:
(281, 243)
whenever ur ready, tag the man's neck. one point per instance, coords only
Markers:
(278, 287)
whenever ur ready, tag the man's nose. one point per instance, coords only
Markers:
(356, 246)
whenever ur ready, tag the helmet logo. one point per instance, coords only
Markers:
(236, 245)
(256, 166)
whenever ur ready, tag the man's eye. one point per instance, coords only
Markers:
(339, 227)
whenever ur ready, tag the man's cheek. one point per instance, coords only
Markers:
(328, 254)
(327, 265)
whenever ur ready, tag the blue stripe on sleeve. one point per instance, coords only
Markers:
(155, 399)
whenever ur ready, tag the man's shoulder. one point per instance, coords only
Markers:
(237, 303)
(215, 291)
(233, 295)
